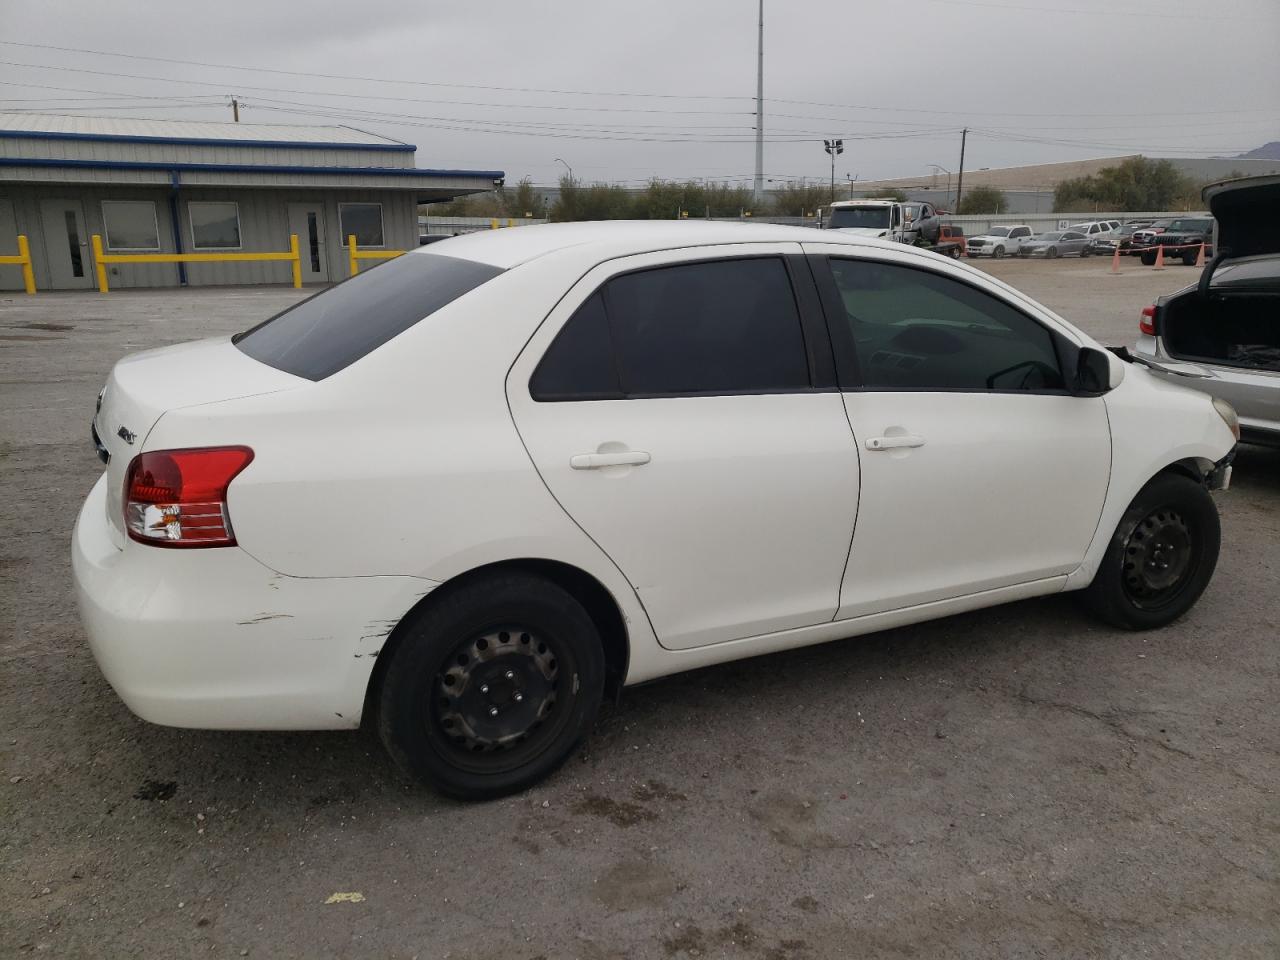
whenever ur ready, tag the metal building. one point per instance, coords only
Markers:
(161, 186)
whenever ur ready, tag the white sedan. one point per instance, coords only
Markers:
(468, 491)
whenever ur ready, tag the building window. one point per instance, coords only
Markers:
(214, 226)
(130, 225)
(362, 219)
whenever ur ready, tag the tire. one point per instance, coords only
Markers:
(1161, 556)
(999, 253)
(1148, 259)
(492, 688)
(1084, 252)
(1052, 253)
(1189, 259)
(955, 253)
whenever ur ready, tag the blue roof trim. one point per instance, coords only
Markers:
(247, 168)
(199, 142)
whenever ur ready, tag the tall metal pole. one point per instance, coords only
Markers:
(960, 175)
(759, 191)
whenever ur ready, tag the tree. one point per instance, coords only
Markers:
(599, 201)
(983, 199)
(800, 199)
(524, 201)
(1133, 184)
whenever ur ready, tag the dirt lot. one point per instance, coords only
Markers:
(1019, 782)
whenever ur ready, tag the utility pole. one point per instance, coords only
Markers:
(964, 134)
(834, 148)
(758, 198)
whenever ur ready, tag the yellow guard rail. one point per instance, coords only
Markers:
(102, 259)
(357, 255)
(23, 260)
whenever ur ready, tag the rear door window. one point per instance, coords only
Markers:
(714, 327)
(335, 328)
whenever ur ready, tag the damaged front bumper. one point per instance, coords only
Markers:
(1219, 478)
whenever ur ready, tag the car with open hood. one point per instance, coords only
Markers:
(463, 495)
(1222, 334)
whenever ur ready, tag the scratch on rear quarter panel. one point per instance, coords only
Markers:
(265, 616)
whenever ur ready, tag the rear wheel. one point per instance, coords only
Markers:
(492, 688)
(1161, 556)
(1085, 251)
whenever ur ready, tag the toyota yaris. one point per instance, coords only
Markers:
(463, 494)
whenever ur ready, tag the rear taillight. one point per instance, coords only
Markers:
(178, 498)
(1147, 322)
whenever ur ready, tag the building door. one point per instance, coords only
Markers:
(10, 277)
(66, 244)
(307, 221)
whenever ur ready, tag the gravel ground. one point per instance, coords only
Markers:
(1018, 782)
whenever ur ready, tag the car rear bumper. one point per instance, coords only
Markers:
(214, 639)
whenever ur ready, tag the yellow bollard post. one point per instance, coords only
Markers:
(102, 267)
(28, 277)
(510, 222)
(351, 246)
(493, 224)
(296, 262)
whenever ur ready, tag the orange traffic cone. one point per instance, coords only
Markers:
(1115, 260)
(1160, 256)
(1200, 256)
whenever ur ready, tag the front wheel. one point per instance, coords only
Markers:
(1161, 556)
(999, 254)
(1052, 253)
(1148, 259)
(491, 688)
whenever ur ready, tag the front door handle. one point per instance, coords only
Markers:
(594, 461)
(894, 443)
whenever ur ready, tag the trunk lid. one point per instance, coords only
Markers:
(143, 386)
(1247, 211)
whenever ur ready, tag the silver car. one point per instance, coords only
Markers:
(1063, 243)
(1222, 335)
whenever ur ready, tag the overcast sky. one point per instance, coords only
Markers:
(626, 91)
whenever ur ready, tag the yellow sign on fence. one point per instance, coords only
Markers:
(357, 255)
(102, 259)
(23, 260)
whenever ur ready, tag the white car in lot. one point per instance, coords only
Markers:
(1097, 231)
(466, 492)
(999, 241)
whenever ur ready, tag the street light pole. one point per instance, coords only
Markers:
(567, 167)
(834, 148)
(759, 191)
(938, 166)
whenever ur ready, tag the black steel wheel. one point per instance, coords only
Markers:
(1161, 556)
(492, 686)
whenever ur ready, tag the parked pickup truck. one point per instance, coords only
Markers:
(1182, 239)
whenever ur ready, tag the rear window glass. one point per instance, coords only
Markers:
(335, 328)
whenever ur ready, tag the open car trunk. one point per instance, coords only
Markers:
(1230, 329)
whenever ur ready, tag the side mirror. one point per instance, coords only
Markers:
(1093, 373)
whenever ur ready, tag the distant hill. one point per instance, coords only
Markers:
(1268, 151)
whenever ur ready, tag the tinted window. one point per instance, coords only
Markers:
(916, 330)
(338, 326)
(725, 326)
(579, 364)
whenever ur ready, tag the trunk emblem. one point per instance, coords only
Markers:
(128, 436)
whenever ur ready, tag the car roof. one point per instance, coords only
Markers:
(512, 246)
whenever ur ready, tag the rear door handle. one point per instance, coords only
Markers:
(894, 443)
(594, 461)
